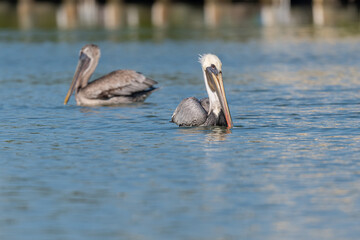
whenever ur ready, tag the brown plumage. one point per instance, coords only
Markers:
(117, 87)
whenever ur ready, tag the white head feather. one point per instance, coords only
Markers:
(207, 59)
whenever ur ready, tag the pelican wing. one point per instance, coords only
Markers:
(205, 103)
(189, 113)
(119, 83)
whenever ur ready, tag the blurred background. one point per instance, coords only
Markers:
(168, 14)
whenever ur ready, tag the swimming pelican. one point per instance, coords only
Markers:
(211, 111)
(121, 86)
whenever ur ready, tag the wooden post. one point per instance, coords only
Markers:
(67, 15)
(318, 12)
(25, 13)
(160, 13)
(113, 14)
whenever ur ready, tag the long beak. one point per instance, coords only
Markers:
(215, 81)
(83, 64)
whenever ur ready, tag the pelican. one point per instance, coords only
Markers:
(121, 86)
(211, 111)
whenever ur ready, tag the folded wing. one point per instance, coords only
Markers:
(189, 113)
(127, 83)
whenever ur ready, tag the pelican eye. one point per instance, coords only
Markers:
(212, 69)
(83, 55)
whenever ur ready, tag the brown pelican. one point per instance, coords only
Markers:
(211, 111)
(121, 86)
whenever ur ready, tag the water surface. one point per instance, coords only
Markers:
(288, 169)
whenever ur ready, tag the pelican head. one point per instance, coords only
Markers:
(88, 60)
(211, 66)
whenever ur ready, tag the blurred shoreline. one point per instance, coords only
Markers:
(116, 14)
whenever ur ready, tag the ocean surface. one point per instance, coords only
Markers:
(289, 169)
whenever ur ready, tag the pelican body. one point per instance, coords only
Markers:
(211, 111)
(117, 87)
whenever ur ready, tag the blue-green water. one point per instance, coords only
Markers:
(289, 169)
